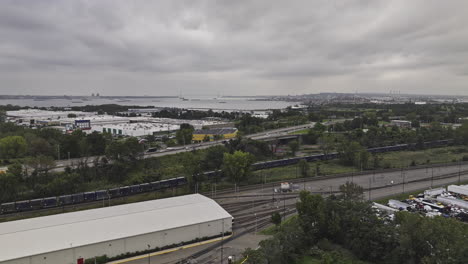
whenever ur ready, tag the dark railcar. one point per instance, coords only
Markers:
(124, 191)
(36, 204)
(165, 184)
(6, 208)
(49, 202)
(156, 185)
(78, 197)
(23, 206)
(101, 195)
(65, 200)
(89, 196)
(145, 187)
(181, 181)
(135, 188)
(115, 192)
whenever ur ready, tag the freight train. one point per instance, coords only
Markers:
(77, 198)
(70, 199)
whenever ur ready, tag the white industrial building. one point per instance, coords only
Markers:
(67, 238)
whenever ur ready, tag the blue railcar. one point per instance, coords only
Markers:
(124, 191)
(89, 196)
(114, 192)
(78, 197)
(135, 188)
(49, 202)
(145, 187)
(165, 184)
(101, 195)
(36, 204)
(6, 208)
(23, 206)
(156, 185)
(65, 200)
(181, 181)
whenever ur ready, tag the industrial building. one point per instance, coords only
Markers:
(401, 123)
(74, 237)
(213, 134)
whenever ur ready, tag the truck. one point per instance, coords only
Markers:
(286, 187)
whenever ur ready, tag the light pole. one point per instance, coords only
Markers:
(222, 244)
(149, 254)
(459, 172)
(370, 189)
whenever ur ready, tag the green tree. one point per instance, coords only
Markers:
(12, 147)
(214, 158)
(16, 169)
(97, 143)
(124, 150)
(40, 164)
(462, 134)
(2, 116)
(351, 191)
(293, 146)
(192, 166)
(39, 146)
(8, 187)
(185, 134)
(236, 166)
(326, 143)
(276, 219)
(304, 168)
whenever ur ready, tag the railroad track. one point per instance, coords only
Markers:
(201, 253)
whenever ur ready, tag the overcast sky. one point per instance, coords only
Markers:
(133, 47)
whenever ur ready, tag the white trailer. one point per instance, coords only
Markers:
(398, 205)
(453, 201)
(434, 192)
(459, 189)
(385, 208)
(286, 187)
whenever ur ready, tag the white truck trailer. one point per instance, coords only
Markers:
(458, 189)
(453, 201)
(398, 204)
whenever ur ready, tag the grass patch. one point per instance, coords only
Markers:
(271, 230)
(293, 172)
(428, 156)
(309, 260)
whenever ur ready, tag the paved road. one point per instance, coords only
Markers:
(61, 164)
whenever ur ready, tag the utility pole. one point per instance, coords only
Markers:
(370, 189)
(404, 174)
(432, 177)
(284, 207)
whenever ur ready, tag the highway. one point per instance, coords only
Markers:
(60, 164)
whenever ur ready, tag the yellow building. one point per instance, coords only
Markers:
(214, 134)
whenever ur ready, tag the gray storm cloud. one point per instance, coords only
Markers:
(234, 47)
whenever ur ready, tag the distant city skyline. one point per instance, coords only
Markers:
(204, 48)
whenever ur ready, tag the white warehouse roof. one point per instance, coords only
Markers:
(39, 235)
